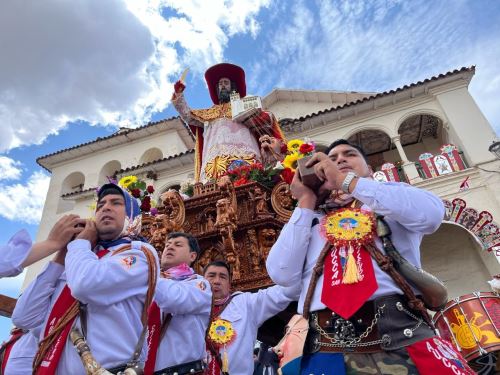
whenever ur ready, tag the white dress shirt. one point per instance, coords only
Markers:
(410, 212)
(14, 253)
(247, 312)
(189, 301)
(114, 289)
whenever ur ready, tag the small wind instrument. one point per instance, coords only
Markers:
(88, 360)
(92, 367)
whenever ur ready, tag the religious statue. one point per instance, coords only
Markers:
(267, 238)
(271, 149)
(259, 199)
(210, 224)
(220, 140)
(254, 250)
(225, 214)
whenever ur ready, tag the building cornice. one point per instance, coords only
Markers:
(431, 86)
(121, 137)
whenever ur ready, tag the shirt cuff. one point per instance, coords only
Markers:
(302, 216)
(365, 188)
(79, 244)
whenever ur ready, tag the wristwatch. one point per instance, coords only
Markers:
(347, 181)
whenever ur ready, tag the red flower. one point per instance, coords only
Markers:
(147, 198)
(145, 206)
(283, 148)
(287, 175)
(136, 193)
(306, 148)
(256, 165)
(241, 181)
(150, 189)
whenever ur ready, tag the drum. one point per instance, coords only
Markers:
(471, 323)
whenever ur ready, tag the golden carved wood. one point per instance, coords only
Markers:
(236, 224)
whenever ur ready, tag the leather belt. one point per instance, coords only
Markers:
(195, 367)
(358, 334)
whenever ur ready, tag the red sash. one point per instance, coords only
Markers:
(65, 300)
(437, 356)
(213, 367)
(346, 299)
(153, 340)
(7, 347)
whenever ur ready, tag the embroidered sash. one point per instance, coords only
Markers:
(64, 303)
(6, 348)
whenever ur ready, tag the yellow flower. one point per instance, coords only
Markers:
(291, 160)
(126, 181)
(294, 145)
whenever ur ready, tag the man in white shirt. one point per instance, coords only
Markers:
(16, 355)
(359, 318)
(179, 316)
(106, 272)
(235, 319)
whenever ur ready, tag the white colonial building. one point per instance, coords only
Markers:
(430, 134)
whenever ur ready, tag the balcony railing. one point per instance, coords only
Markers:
(428, 166)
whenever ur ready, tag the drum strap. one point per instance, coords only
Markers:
(386, 265)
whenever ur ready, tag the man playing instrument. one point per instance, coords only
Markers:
(220, 140)
(178, 318)
(100, 283)
(362, 317)
(235, 319)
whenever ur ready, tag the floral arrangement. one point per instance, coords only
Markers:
(295, 149)
(243, 173)
(141, 191)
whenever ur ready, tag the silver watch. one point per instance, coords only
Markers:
(347, 181)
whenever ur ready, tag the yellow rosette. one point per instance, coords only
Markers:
(349, 226)
(221, 332)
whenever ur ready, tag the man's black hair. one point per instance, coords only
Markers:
(192, 241)
(339, 142)
(217, 263)
(109, 189)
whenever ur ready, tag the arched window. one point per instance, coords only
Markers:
(108, 170)
(151, 155)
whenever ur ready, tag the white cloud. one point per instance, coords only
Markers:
(24, 203)
(11, 286)
(355, 45)
(109, 62)
(9, 169)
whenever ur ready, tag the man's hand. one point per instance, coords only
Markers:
(305, 196)
(327, 171)
(64, 230)
(61, 233)
(179, 87)
(89, 233)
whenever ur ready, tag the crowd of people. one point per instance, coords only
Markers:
(136, 312)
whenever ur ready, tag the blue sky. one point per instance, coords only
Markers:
(71, 72)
